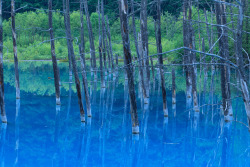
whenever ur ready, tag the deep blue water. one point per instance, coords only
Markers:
(39, 134)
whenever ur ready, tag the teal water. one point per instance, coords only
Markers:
(40, 134)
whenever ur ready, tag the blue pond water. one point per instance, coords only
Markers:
(40, 134)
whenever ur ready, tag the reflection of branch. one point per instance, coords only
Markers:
(240, 123)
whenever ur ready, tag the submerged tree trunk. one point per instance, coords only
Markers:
(160, 59)
(243, 83)
(137, 51)
(128, 61)
(100, 45)
(73, 61)
(13, 26)
(82, 59)
(2, 103)
(68, 40)
(144, 39)
(53, 55)
(186, 59)
(103, 38)
(224, 53)
(91, 37)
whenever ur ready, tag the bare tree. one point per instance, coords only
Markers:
(2, 103)
(13, 26)
(73, 61)
(91, 37)
(224, 53)
(53, 55)
(128, 61)
(83, 65)
(160, 58)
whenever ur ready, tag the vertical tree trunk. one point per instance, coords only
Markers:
(110, 44)
(68, 40)
(91, 37)
(2, 103)
(173, 87)
(144, 39)
(160, 59)
(13, 26)
(73, 61)
(82, 59)
(223, 45)
(103, 38)
(243, 83)
(137, 50)
(186, 59)
(53, 55)
(129, 68)
(100, 44)
(193, 69)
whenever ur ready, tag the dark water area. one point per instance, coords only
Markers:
(39, 133)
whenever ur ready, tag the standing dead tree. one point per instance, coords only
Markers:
(144, 39)
(53, 55)
(2, 103)
(103, 37)
(83, 65)
(160, 59)
(73, 61)
(186, 58)
(137, 50)
(68, 40)
(100, 44)
(91, 38)
(129, 67)
(243, 83)
(224, 53)
(13, 27)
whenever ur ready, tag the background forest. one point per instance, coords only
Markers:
(33, 35)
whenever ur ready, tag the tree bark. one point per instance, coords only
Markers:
(160, 58)
(144, 39)
(103, 38)
(128, 61)
(73, 61)
(68, 40)
(243, 83)
(2, 103)
(223, 45)
(100, 45)
(91, 37)
(53, 55)
(82, 59)
(13, 26)
(137, 50)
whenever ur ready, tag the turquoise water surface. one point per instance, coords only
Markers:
(39, 133)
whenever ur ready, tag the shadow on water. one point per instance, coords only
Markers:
(48, 135)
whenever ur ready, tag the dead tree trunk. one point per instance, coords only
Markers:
(144, 39)
(129, 67)
(243, 83)
(137, 50)
(160, 59)
(186, 53)
(173, 87)
(193, 69)
(100, 44)
(82, 59)
(110, 45)
(2, 103)
(91, 37)
(73, 61)
(53, 55)
(13, 26)
(68, 41)
(223, 45)
(103, 38)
